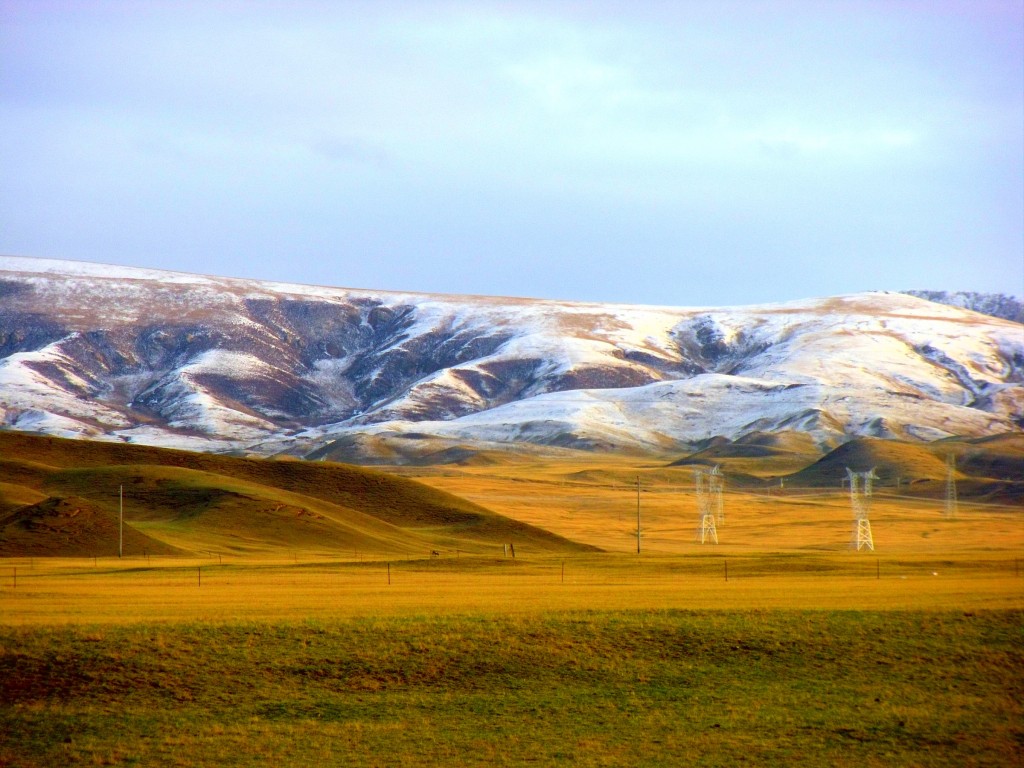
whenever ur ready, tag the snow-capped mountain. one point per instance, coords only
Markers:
(216, 364)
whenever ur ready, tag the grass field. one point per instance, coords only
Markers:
(658, 688)
(594, 500)
(780, 645)
(603, 659)
(53, 592)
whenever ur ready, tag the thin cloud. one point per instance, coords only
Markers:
(662, 152)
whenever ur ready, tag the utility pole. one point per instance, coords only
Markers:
(120, 520)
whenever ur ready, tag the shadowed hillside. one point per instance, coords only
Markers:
(1000, 457)
(987, 468)
(202, 501)
(15, 496)
(755, 454)
(890, 460)
(72, 527)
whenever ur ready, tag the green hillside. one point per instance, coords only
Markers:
(72, 527)
(204, 502)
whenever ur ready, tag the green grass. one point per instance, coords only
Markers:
(582, 688)
(198, 502)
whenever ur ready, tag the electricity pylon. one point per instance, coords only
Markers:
(716, 483)
(950, 486)
(860, 503)
(709, 504)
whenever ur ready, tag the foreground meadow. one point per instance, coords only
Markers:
(763, 659)
(582, 688)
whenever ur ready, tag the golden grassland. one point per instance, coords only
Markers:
(779, 645)
(62, 592)
(594, 500)
(787, 548)
(784, 548)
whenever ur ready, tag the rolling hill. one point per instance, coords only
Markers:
(72, 527)
(60, 496)
(987, 468)
(756, 453)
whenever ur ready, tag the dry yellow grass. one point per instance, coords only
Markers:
(66, 591)
(784, 550)
(807, 652)
(594, 501)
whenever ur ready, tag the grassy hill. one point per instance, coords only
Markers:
(72, 527)
(1000, 457)
(990, 468)
(205, 502)
(890, 459)
(986, 469)
(755, 456)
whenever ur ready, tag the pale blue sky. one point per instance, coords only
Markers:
(645, 152)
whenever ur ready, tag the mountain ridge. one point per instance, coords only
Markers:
(175, 359)
(998, 305)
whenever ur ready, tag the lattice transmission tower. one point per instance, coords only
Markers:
(716, 484)
(950, 486)
(860, 503)
(709, 504)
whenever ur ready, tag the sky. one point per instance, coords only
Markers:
(675, 153)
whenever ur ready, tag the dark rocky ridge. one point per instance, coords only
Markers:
(993, 304)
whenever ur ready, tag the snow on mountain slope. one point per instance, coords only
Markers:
(994, 304)
(218, 363)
